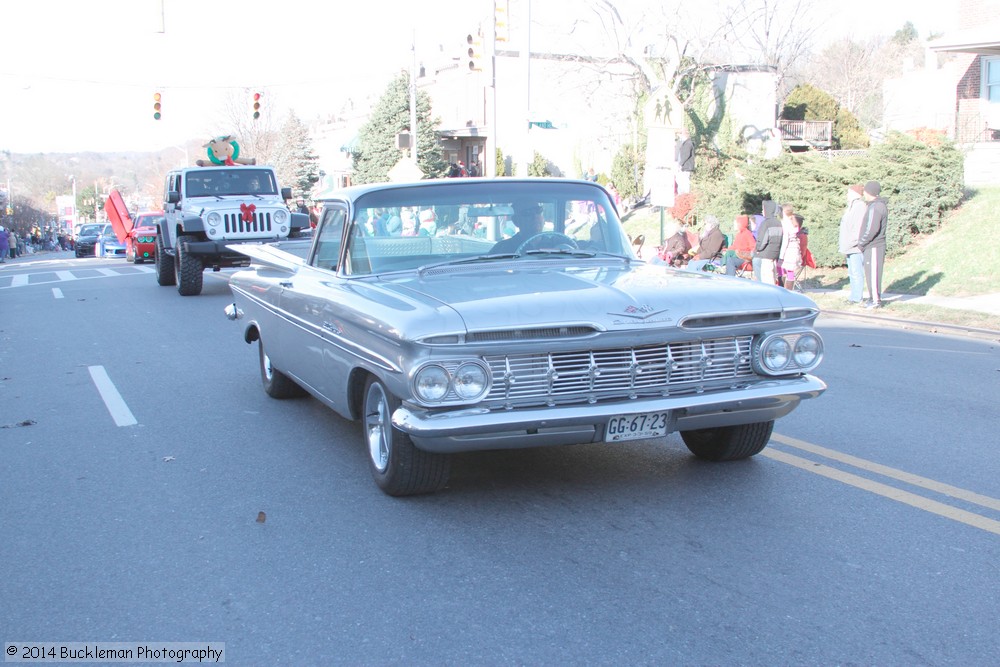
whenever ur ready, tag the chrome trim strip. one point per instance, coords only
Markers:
(323, 334)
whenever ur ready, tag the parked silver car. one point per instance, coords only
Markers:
(470, 314)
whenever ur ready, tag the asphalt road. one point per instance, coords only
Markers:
(868, 533)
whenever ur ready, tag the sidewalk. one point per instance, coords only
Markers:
(983, 303)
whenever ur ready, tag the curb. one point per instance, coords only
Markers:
(931, 327)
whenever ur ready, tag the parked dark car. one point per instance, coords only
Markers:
(87, 239)
(471, 314)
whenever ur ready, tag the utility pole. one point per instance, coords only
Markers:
(413, 101)
(489, 164)
(525, 157)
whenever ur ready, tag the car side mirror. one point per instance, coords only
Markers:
(286, 193)
(173, 197)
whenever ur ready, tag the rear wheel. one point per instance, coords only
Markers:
(190, 270)
(276, 384)
(397, 466)
(728, 443)
(165, 273)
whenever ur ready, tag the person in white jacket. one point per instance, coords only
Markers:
(850, 230)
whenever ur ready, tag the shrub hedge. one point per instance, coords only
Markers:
(921, 181)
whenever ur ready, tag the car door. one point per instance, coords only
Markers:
(308, 300)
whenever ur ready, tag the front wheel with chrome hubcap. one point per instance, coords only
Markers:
(397, 466)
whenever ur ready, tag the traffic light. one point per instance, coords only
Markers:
(475, 52)
(501, 26)
(256, 106)
(156, 106)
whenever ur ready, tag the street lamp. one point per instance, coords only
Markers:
(72, 224)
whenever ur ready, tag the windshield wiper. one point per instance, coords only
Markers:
(468, 260)
(578, 253)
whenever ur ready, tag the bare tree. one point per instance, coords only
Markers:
(852, 73)
(258, 138)
(776, 33)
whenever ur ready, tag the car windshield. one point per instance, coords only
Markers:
(148, 220)
(90, 230)
(406, 228)
(211, 182)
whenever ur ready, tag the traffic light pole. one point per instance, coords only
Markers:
(489, 162)
(413, 101)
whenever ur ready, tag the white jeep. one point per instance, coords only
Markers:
(207, 209)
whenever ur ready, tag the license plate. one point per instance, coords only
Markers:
(637, 427)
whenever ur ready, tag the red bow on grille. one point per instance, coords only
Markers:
(246, 211)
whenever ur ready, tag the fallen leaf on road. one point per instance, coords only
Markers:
(261, 517)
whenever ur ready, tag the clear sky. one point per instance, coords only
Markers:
(80, 75)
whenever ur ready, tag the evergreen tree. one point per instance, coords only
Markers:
(377, 153)
(296, 164)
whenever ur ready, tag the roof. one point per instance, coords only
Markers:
(982, 40)
(519, 185)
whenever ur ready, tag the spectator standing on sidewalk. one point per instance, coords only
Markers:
(872, 241)
(4, 245)
(685, 159)
(850, 230)
(768, 246)
(790, 254)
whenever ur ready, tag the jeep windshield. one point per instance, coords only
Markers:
(224, 182)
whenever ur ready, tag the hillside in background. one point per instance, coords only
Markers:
(39, 178)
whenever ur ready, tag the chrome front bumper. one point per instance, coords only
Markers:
(472, 429)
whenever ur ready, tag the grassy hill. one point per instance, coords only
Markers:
(962, 258)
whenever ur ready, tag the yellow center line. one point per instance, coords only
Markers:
(886, 471)
(891, 492)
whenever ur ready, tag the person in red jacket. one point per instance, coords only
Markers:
(741, 250)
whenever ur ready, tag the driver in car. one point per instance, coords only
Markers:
(529, 222)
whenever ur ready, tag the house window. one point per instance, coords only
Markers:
(991, 80)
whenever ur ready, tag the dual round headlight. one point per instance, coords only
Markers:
(795, 352)
(450, 383)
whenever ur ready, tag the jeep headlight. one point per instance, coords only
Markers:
(451, 382)
(788, 352)
(281, 216)
(214, 219)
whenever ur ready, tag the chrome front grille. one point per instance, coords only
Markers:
(592, 374)
(260, 223)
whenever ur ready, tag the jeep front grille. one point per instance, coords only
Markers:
(593, 374)
(236, 225)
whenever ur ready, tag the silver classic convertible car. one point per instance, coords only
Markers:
(471, 314)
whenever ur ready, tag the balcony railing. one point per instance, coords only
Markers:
(807, 133)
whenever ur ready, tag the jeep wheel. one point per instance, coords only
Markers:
(728, 443)
(190, 271)
(398, 467)
(165, 274)
(276, 384)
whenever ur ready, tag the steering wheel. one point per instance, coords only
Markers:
(550, 240)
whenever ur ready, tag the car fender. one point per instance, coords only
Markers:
(192, 223)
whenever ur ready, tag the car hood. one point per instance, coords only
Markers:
(613, 297)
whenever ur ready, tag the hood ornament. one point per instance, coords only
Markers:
(643, 312)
